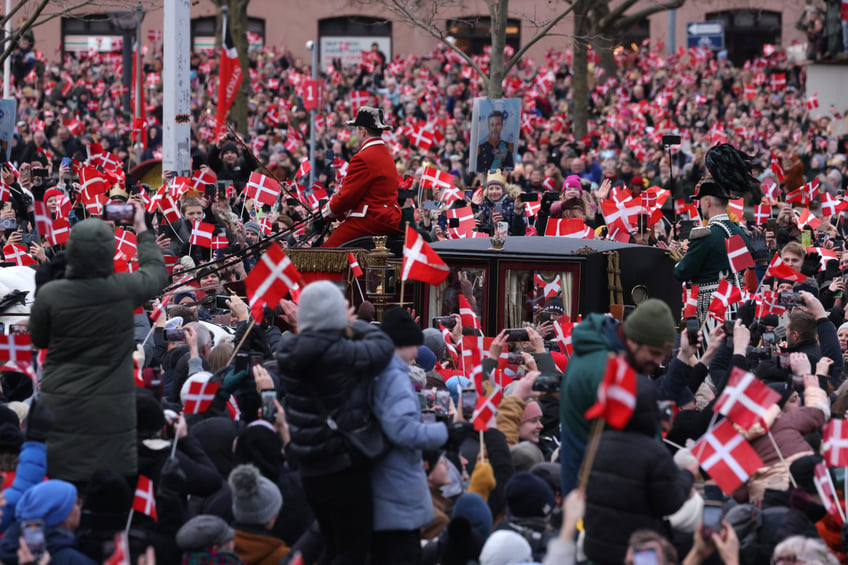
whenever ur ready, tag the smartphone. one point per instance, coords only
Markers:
(517, 334)
(469, 400)
(255, 358)
(789, 299)
(430, 205)
(728, 328)
(26, 238)
(66, 162)
(428, 416)
(121, 213)
(498, 208)
(269, 408)
(242, 362)
(174, 334)
(692, 329)
(210, 192)
(671, 140)
(33, 534)
(18, 329)
(221, 302)
(447, 322)
(442, 401)
(647, 556)
(711, 518)
(771, 225)
(769, 339)
(9, 224)
(529, 197)
(453, 222)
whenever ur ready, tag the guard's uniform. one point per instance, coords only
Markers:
(367, 198)
(706, 264)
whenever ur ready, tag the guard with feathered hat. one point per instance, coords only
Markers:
(706, 263)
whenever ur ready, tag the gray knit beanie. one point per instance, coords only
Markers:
(252, 226)
(255, 499)
(321, 307)
(202, 532)
(651, 324)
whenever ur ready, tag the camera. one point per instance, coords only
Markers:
(517, 334)
(269, 408)
(671, 140)
(758, 353)
(122, 213)
(221, 302)
(9, 224)
(546, 383)
(789, 299)
(447, 322)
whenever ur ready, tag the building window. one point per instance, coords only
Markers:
(345, 38)
(94, 33)
(474, 33)
(746, 31)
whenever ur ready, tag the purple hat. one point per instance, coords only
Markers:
(572, 181)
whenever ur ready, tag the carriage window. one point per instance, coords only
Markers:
(470, 281)
(527, 291)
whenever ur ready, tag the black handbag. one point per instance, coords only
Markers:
(369, 440)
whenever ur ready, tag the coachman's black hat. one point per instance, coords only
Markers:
(371, 118)
(709, 187)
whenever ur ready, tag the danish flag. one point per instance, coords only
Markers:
(200, 396)
(616, 394)
(737, 207)
(681, 207)
(270, 280)
(737, 254)
(450, 195)
(201, 234)
(532, 208)
(472, 359)
(780, 270)
(467, 315)
(621, 214)
(777, 169)
(835, 444)
(431, 177)
(726, 456)
(778, 81)
(422, 136)
(807, 219)
(303, 170)
(18, 254)
(831, 206)
(465, 215)
(813, 101)
(563, 329)
(125, 243)
(451, 348)
(486, 409)
(762, 212)
(690, 301)
(144, 500)
(15, 348)
(60, 231)
(568, 227)
(358, 99)
(420, 261)
(160, 308)
(745, 399)
(354, 265)
(750, 91)
(826, 491)
(263, 189)
(92, 182)
(170, 209)
(201, 177)
(725, 295)
(551, 289)
(220, 242)
(825, 256)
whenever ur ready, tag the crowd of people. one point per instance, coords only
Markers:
(314, 432)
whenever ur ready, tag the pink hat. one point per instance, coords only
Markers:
(531, 410)
(572, 181)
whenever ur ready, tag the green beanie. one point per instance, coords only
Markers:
(651, 324)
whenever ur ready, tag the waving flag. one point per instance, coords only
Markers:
(420, 262)
(229, 80)
(487, 409)
(745, 399)
(780, 270)
(835, 444)
(726, 456)
(725, 295)
(826, 491)
(200, 396)
(690, 301)
(737, 254)
(616, 394)
(144, 500)
(270, 280)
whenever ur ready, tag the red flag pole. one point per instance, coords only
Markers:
(591, 451)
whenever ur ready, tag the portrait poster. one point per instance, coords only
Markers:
(495, 131)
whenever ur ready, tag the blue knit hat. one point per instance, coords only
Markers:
(528, 496)
(473, 508)
(51, 501)
(425, 359)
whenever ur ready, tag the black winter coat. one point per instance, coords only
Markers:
(634, 483)
(337, 368)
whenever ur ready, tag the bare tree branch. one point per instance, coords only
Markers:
(12, 40)
(12, 13)
(617, 12)
(536, 37)
(631, 19)
(433, 31)
(63, 12)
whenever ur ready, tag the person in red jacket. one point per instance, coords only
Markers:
(367, 199)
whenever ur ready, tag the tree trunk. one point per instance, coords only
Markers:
(603, 40)
(237, 22)
(496, 62)
(580, 67)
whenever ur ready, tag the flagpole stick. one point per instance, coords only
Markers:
(174, 445)
(782, 460)
(169, 223)
(845, 486)
(129, 522)
(672, 444)
(482, 447)
(361, 294)
(591, 451)
(150, 333)
(241, 341)
(405, 243)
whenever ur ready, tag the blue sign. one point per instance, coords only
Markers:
(705, 34)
